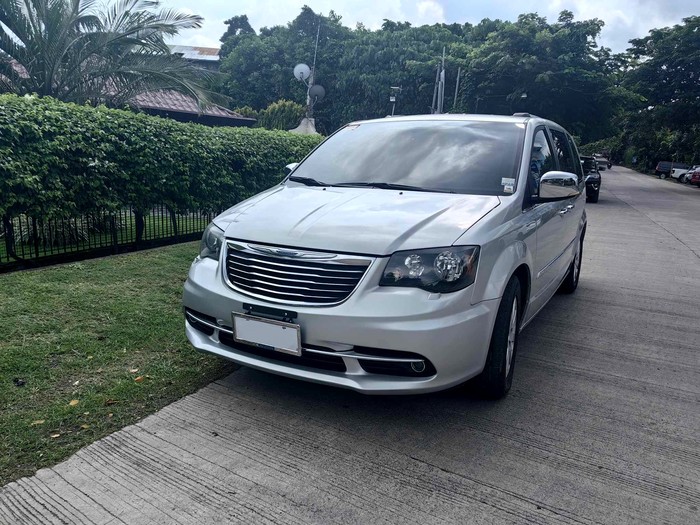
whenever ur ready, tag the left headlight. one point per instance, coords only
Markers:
(212, 240)
(435, 270)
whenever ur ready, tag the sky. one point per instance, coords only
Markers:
(624, 19)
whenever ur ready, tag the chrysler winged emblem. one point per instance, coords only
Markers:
(291, 254)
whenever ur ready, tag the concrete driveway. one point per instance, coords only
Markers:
(602, 424)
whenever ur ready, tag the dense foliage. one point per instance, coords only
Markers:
(526, 65)
(664, 69)
(282, 114)
(643, 104)
(82, 50)
(59, 159)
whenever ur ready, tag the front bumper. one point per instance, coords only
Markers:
(450, 333)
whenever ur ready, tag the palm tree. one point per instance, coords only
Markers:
(73, 51)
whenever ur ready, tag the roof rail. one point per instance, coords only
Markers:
(522, 115)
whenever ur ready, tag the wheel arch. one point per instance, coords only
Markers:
(522, 272)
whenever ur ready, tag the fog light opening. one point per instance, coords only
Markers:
(418, 366)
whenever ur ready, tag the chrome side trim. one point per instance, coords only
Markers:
(365, 357)
(351, 354)
(208, 323)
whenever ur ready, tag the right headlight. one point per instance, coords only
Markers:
(435, 270)
(212, 241)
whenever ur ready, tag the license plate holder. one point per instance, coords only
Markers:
(267, 333)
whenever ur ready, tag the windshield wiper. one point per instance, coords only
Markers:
(389, 186)
(308, 181)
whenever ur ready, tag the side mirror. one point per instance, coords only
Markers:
(290, 168)
(558, 185)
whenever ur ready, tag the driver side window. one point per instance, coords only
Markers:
(541, 161)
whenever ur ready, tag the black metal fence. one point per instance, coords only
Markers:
(34, 241)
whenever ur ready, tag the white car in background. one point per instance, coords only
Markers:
(680, 174)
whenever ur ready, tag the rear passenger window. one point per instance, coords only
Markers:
(564, 154)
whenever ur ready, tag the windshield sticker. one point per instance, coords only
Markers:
(507, 182)
(508, 188)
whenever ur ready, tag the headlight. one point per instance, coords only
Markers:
(212, 240)
(435, 270)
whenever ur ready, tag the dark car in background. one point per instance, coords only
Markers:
(664, 167)
(592, 177)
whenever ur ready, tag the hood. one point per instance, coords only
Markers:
(366, 221)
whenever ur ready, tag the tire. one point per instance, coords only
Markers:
(662, 176)
(570, 282)
(495, 380)
(594, 197)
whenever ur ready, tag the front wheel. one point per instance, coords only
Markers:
(662, 176)
(497, 377)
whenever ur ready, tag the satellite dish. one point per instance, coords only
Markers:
(317, 93)
(302, 72)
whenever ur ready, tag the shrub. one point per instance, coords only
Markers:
(59, 160)
(283, 114)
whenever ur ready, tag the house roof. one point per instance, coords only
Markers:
(169, 100)
(209, 54)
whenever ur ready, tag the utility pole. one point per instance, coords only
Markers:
(441, 85)
(433, 106)
(459, 72)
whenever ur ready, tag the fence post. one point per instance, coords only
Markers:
(9, 229)
(35, 234)
(113, 227)
(173, 219)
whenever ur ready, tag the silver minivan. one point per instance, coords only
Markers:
(402, 255)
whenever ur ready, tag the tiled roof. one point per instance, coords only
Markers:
(168, 100)
(196, 53)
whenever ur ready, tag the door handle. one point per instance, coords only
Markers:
(564, 211)
(531, 226)
(571, 206)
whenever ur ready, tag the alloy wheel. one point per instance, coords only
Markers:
(512, 333)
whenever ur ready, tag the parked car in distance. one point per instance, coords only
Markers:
(680, 174)
(602, 161)
(695, 178)
(664, 167)
(402, 255)
(592, 177)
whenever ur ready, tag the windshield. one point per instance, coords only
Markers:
(451, 156)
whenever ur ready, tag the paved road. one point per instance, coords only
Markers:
(602, 426)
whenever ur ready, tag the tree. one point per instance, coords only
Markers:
(237, 26)
(70, 50)
(667, 69)
(531, 65)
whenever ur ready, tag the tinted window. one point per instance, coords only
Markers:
(589, 165)
(563, 152)
(463, 157)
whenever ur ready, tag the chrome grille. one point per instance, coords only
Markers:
(293, 276)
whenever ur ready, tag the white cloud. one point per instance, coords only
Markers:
(624, 19)
(430, 12)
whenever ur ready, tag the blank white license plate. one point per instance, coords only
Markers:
(275, 335)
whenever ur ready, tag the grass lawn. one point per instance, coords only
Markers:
(89, 347)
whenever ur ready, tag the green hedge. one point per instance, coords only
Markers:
(59, 159)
